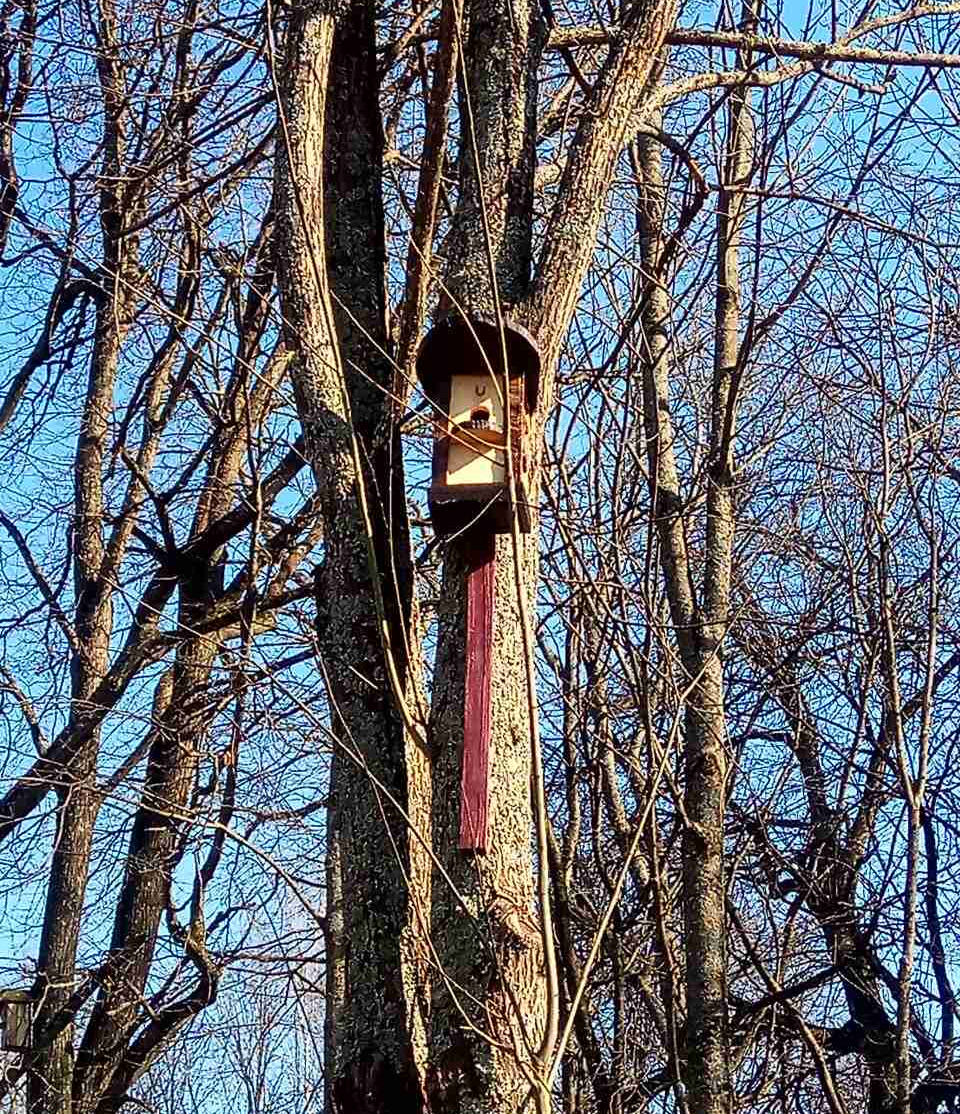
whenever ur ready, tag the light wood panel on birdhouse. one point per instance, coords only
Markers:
(477, 448)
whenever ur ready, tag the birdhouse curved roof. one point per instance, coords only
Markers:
(455, 342)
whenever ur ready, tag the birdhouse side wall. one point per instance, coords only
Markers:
(518, 428)
(441, 438)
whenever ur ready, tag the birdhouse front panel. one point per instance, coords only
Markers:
(477, 399)
(476, 451)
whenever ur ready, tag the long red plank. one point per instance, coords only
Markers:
(475, 772)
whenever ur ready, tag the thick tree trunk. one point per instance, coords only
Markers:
(331, 263)
(488, 1001)
(490, 1028)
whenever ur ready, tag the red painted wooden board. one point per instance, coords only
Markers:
(475, 772)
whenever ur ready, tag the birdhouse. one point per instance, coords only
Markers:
(16, 1014)
(478, 399)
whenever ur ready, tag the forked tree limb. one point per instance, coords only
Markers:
(842, 50)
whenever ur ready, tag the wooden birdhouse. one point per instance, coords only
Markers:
(480, 405)
(482, 383)
(16, 1015)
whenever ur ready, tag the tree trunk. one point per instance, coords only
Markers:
(331, 263)
(700, 624)
(176, 748)
(51, 1064)
(488, 1000)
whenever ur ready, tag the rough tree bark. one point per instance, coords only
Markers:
(502, 47)
(331, 259)
(488, 1003)
(487, 1045)
(439, 994)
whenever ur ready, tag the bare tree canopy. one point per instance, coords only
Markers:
(720, 868)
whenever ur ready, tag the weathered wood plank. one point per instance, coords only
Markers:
(475, 771)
